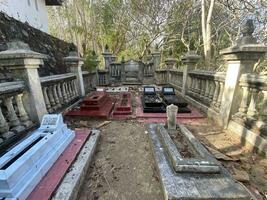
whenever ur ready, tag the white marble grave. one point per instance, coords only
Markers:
(23, 167)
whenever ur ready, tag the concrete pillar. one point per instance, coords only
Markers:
(156, 56)
(23, 65)
(75, 62)
(190, 59)
(107, 58)
(240, 59)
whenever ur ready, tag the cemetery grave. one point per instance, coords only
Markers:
(169, 97)
(97, 104)
(123, 106)
(27, 163)
(151, 101)
(195, 175)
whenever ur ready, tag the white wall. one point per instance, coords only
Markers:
(27, 11)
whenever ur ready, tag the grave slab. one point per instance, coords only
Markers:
(123, 107)
(195, 114)
(98, 104)
(197, 185)
(22, 168)
(52, 179)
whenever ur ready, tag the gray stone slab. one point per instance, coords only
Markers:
(69, 187)
(220, 186)
(202, 163)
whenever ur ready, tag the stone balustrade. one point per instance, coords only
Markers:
(89, 79)
(253, 107)
(59, 90)
(161, 76)
(14, 117)
(149, 70)
(206, 87)
(102, 77)
(176, 78)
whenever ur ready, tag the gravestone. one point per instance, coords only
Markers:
(151, 102)
(23, 167)
(171, 116)
(132, 72)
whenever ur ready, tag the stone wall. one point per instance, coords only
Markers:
(11, 29)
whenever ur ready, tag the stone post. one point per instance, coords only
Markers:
(190, 59)
(172, 116)
(170, 63)
(107, 57)
(240, 59)
(75, 62)
(156, 56)
(23, 64)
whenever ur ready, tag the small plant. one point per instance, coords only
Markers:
(91, 61)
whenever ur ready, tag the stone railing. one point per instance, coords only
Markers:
(252, 111)
(176, 78)
(14, 117)
(89, 79)
(102, 77)
(206, 87)
(161, 76)
(148, 70)
(115, 70)
(59, 90)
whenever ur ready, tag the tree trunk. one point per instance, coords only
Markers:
(206, 31)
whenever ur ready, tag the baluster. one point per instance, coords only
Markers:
(72, 89)
(242, 111)
(263, 108)
(47, 102)
(4, 128)
(64, 93)
(219, 101)
(13, 119)
(203, 87)
(59, 91)
(67, 91)
(75, 88)
(58, 105)
(252, 111)
(216, 93)
(24, 117)
(212, 90)
(51, 98)
(207, 90)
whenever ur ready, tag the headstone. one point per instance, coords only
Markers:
(171, 116)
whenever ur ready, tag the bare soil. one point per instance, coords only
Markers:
(123, 166)
(247, 165)
(124, 169)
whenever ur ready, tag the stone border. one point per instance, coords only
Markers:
(193, 185)
(203, 164)
(70, 185)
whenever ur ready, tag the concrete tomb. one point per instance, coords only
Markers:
(23, 167)
(169, 97)
(187, 170)
(151, 101)
(98, 104)
(124, 105)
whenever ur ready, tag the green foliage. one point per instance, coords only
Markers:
(91, 61)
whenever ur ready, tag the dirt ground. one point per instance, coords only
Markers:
(123, 167)
(246, 166)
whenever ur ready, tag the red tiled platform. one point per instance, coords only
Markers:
(98, 104)
(51, 180)
(161, 117)
(123, 107)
